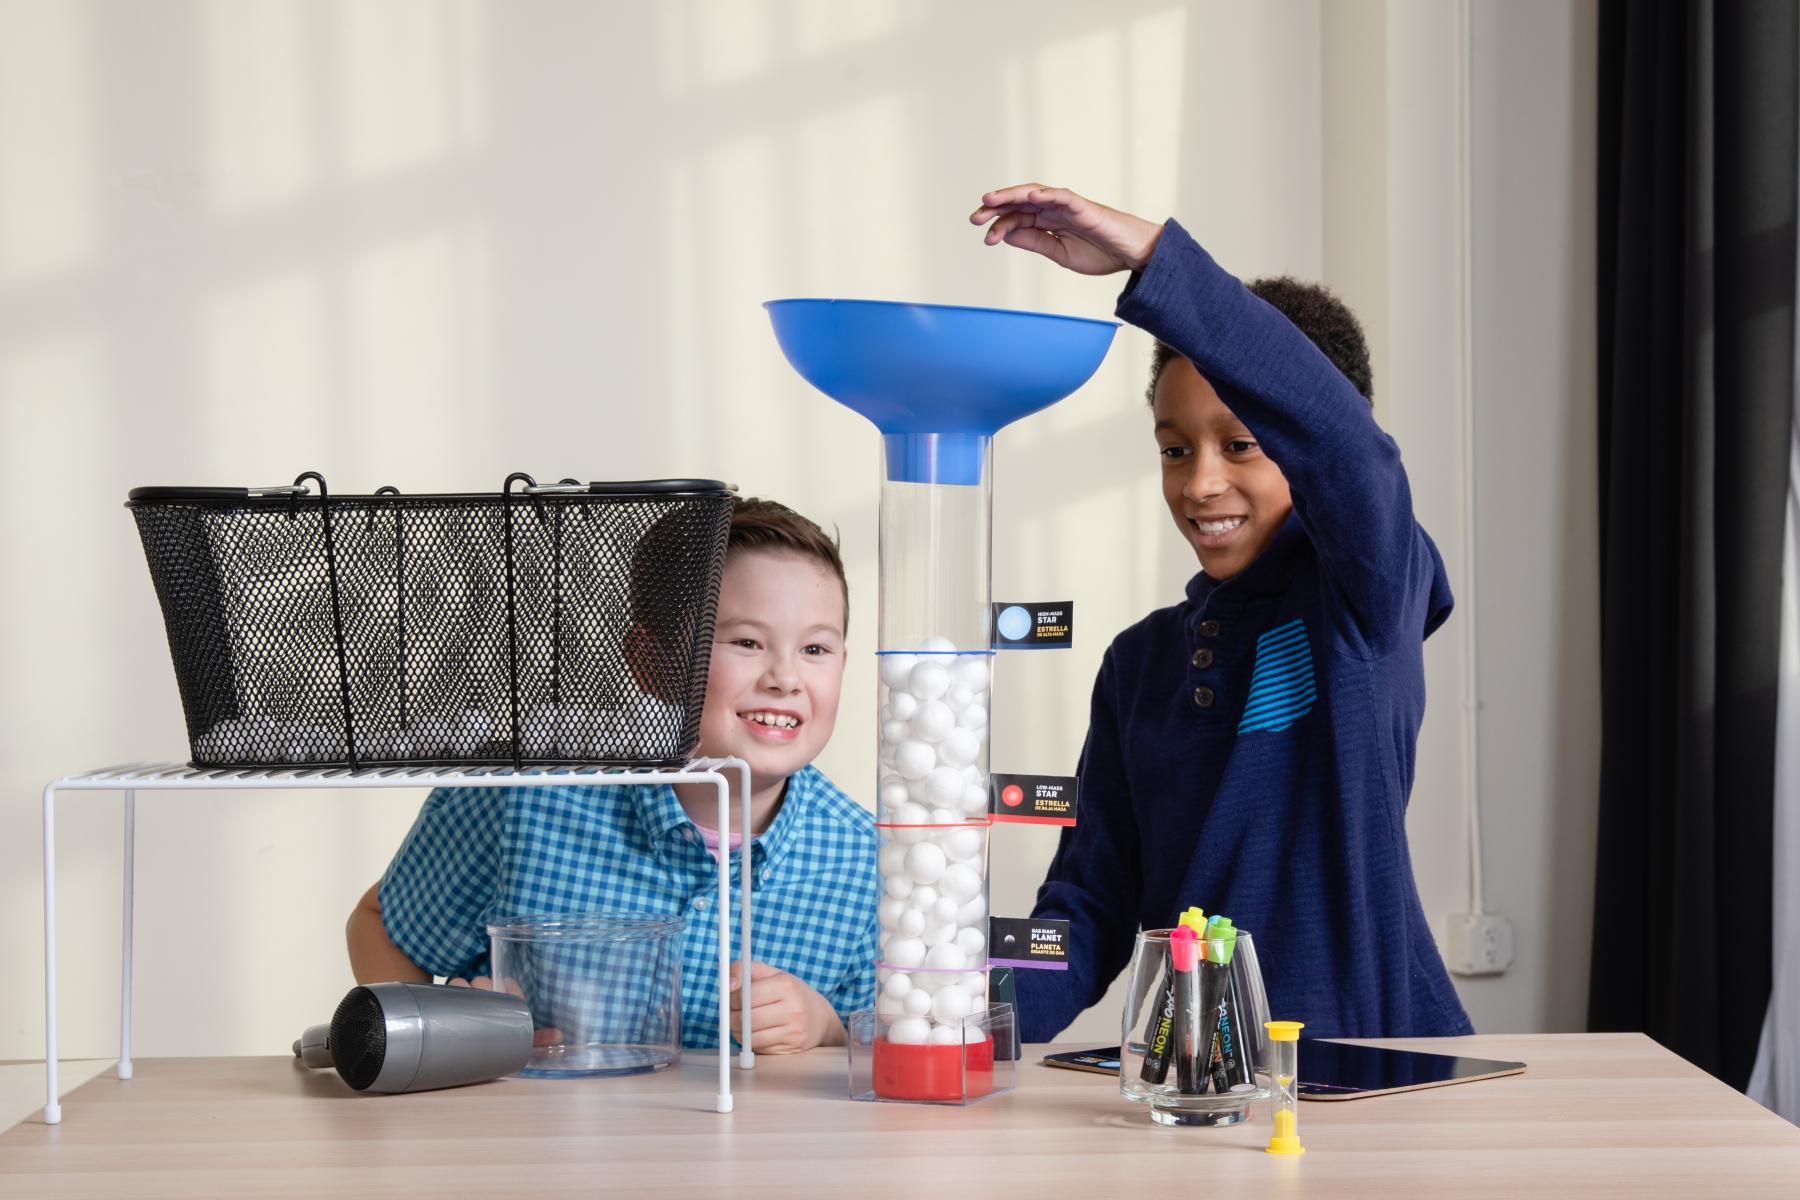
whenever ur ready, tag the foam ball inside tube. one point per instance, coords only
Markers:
(906, 952)
(899, 886)
(971, 941)
(971, 671)
(930, 722)
(959, 747)
(923, 898)
(909, 1031)
(950, 1003)
(917, 1002)
(960, 881)
(891, 859)
(902, 705)
(972, 913)
(890, 1007)
(959, 698)
(896, 669)
(928, 681)
(945, 1035)
(945, 816)
(895, 731)
(946, 956)
(945, 785)
(906, 816)
(944, 911)
(937, 935)
(911, 923)
(974, 1034)
(925, 862)
(973, 717)
(960, 845)
(914, 759)
(897, 984)
(937, 644)
(891, 794)
(890, 908)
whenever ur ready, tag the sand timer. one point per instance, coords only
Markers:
(938, 382)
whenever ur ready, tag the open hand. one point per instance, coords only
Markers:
(1067, 229)
(786, 1015)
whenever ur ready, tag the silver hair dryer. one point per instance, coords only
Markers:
(412, 1037)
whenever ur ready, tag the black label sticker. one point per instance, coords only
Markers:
(1035, 625)
(1033, 799)
(1025, 942)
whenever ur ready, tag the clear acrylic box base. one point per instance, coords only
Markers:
(958, 1067)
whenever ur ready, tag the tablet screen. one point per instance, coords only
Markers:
(1333, 1070)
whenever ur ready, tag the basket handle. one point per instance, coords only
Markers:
(337, 614)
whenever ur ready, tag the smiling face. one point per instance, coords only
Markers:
(777, 663)
(1228, 499)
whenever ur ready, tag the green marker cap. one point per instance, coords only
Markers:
(1221, 934)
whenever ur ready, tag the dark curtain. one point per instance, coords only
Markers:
(1697, 167)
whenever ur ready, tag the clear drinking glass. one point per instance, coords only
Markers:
(1193, 1059)
(604, 989)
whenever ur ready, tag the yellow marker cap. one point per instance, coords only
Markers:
(1195, 920)
(1284, 1031)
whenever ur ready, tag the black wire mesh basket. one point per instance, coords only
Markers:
(569, 623)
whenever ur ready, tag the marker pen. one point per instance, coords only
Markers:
(1231, 1058)
(1191, 1013)
(1160, 1033)
(1213, 975)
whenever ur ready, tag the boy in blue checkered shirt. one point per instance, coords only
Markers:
(475, 854)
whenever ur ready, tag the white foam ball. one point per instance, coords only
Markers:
(914, 759)
(925, 862)
(937, 935)
(944, 910)
(929, 680)
(946, 957)
(976, 983)
(930, 981)
(975, 799)
(931, 722)
(959, 881)
(902, 705)
(973, 717)
(972, 672)
(960, 747)
(959, 698)
(890, 1007)
(895, 731)
(971, 942)
(891, 859)
(937, 645)
(975, 775)
(974, 1034)
(960, 845)
(890, 908)
(923, 898)
(911, 923)
(945, 1035)
(909, 1031)
(899, 886)
(945, 816)
(917, 1002)
(891, 794)
(915, 790)
(972, 914)
(945, 785)
(897, 983)
(906, 952)
(896, 669)
(907, 817)
(950, 1003)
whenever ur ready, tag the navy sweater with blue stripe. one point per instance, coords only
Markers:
(1281, 801)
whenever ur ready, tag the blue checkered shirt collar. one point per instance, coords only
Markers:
(661, 816)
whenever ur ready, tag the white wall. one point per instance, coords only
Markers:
(431, 243)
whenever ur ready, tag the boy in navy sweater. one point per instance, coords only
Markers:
(1251, 749)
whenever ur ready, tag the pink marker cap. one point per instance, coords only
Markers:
(1184, 948)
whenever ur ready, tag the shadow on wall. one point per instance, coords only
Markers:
(428, 243)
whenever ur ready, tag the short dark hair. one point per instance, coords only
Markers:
(758, 524)
(1315, 311)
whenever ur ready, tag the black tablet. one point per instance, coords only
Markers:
(1338, 1071)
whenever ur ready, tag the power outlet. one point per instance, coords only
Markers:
(1480, 944)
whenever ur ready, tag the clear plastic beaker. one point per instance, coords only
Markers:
(1192, 1046)
(604, 989)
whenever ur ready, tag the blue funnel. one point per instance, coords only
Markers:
(938, 380)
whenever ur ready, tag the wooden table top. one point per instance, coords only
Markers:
(1595, 1114)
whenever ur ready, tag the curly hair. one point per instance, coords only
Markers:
(1315, 311)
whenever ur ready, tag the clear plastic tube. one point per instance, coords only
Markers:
(932, 731)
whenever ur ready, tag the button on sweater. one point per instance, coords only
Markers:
(1267, 778)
